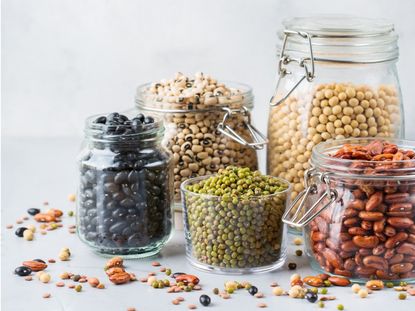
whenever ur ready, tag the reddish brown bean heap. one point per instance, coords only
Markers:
(369, 232)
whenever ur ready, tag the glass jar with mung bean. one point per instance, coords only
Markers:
(337, 79)
(233, 221)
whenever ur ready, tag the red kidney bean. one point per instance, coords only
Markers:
(370, 232)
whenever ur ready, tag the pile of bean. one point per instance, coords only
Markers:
(369, 232)
(233, 219)
(333, 111)
(197, 146)
(125, 199)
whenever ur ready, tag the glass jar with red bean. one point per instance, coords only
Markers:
(358, 209)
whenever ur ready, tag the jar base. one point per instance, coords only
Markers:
(131, 253)
(236, 271)
(316, 267)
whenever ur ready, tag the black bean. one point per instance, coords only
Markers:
(118, 227)
(127, 202)
(22, 271)
(133, 177)
(148, 120)
(140, 117)
(19, 231)
(101, 120)
(311, 297)
(33, 211)
(253, 290)
(121, 177)
(111, 187)
(112, 116)
(204, 300)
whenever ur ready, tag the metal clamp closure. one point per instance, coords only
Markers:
(303, 215)
(309, 73)
(259, 140)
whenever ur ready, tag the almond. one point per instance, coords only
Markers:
(374, 284)
(339, 281)
(114, 270)
(114, 262)
(93, 282)
(44, 217)
(55, 212)
(35, 265)
(313, 281)
(120, 278)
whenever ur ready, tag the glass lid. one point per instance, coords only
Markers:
(340, 38)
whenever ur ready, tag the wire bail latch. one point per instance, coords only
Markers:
(309, 73)
(259, 140)
(303, 216)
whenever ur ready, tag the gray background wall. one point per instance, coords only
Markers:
(64, 60)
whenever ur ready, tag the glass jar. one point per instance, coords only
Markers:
(125, 191)
(205, 134)
(235, 234)
(359, 215)
(337, 79)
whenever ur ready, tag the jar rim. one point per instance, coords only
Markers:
(342, 38)
(95, 131)
(202, 178)
(321, 159)
(152, 104)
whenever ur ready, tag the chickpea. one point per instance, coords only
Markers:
(44, 277)
(355, 288)
(363, 293)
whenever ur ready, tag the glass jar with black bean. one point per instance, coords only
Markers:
(126, 186)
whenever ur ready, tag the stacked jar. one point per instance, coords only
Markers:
(126, 186)
(207, 124)
(337, 80)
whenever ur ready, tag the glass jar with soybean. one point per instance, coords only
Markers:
(207, 124)
(125, 193)
(337, 79)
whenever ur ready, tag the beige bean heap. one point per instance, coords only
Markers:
(332, 111)
(197, 146)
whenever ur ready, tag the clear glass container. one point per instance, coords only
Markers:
(204, 137)
(359, 214)
(125, 191)
(242, 236)
(337, 79)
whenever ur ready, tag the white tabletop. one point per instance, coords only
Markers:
(38, 170)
